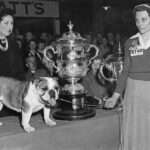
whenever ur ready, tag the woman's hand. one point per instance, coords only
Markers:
(111, 102)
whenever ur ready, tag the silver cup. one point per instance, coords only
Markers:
(71, 56)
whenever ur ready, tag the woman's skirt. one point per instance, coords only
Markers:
(136, 116)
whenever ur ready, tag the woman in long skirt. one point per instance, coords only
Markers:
(134, 82)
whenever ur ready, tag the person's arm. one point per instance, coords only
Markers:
(15, 61)
(124, 75)
(110, 103)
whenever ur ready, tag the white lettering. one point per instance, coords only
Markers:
(136, 52)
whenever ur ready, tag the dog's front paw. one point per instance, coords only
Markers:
(29, 129)
(50, 122)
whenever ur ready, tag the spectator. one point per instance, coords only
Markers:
(89, 38)
(33, 71)
(98, 39)
(44, 37)
(111, 41)
(92, 85)
(103, 48)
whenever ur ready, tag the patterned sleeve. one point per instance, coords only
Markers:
(124, 75)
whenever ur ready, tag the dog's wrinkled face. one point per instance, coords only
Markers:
(48, 89)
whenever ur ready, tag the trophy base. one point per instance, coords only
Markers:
(71, 115)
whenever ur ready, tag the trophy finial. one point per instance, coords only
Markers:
(70, 25)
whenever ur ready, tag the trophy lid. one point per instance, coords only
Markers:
(71, 38)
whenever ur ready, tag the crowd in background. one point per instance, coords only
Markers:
(31, 44)
(107, 44)
(31, 48)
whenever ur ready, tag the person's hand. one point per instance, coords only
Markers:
(111, 102)
(99, 100)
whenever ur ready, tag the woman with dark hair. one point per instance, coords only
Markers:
(11, 64)
(135, 81)
(93, 87)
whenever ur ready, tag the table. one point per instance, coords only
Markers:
(98, 133)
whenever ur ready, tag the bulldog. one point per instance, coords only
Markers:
(28, 97)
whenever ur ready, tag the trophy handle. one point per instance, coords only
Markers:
(92, 52)
(49, 50)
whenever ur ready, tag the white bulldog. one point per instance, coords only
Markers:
(29, 97)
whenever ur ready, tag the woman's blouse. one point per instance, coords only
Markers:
(11, 63)
(136, 62)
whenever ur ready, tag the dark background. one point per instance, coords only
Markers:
(88, 16)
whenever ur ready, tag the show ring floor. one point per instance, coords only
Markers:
(98, 133)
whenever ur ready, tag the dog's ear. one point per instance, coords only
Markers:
(36, 80)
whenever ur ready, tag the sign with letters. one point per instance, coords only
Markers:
(32, 8)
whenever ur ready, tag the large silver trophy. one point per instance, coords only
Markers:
(71, 56)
